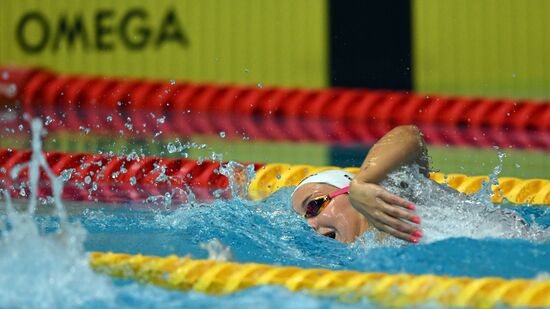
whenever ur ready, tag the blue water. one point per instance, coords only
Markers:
(267, 232)
(45, 265)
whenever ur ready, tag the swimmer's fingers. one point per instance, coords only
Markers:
(396, 200)
(396, 233)
(397, 224)
(400, 213)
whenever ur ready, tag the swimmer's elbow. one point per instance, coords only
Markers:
(413, 141)
(410, 130)
(410, 133)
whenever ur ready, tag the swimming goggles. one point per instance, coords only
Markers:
(315, 206)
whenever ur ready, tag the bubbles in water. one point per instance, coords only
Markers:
(161, 119)
(172, 82)
(87, 180)
(222, 134)
(48, 120)
(109, 118)
(260, 85)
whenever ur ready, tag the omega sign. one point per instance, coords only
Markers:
(106, 31)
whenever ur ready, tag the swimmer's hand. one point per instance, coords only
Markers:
(384, 210)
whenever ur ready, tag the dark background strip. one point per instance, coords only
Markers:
(370, 44)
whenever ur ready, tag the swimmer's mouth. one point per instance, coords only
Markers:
(330, 234)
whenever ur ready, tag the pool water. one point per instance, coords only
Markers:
(43, 259)
(44, 262)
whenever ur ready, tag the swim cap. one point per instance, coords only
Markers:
(336, 178)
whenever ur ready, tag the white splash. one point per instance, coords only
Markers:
(217, 250)
(39, 269)
(446, 213)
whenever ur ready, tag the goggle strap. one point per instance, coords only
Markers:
(344, 190)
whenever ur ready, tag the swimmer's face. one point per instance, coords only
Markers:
(338, 220)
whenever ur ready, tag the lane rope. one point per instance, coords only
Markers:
(391, 290)
(38, 87)
(121, 178)
(272, 177)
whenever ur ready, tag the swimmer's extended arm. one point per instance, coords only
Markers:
(384, 210)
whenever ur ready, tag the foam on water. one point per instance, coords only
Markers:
(33, 264)
(446, 213)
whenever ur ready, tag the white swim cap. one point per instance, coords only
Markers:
(337, 178)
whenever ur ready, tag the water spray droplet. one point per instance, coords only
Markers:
(171, 148)
(217, 251)
(84, 130)
(11, 90)
(222, 134)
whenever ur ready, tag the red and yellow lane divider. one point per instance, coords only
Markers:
(113, 178)
(271, 177)
(393, 290)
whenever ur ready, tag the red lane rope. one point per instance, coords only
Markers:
(105, 178)
(42, 88)
(109, 122)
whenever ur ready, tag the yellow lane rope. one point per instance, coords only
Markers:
(272, 177)
(393, 290)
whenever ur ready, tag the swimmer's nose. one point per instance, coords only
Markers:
(313, 223)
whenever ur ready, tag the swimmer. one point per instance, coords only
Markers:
(343, 206)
